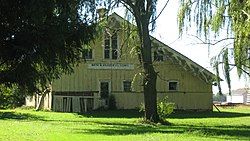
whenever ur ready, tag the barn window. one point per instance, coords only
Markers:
(158, 55)
(127, 86)
(173, 85)
(111, 47)
(87, 54)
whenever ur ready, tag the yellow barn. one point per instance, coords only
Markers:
(111, 67)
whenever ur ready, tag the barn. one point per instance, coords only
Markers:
(110, 68)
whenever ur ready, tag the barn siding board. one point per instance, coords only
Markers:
(182, 101)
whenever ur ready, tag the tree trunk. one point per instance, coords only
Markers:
(150, 93)
(149, 87)
(142, 11)
(46, 91)
(40, 100)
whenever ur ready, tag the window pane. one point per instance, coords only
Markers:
(106, 54)
(107, 44)
(127, 86)
(114, 43)
(114, 54)
(172, 86)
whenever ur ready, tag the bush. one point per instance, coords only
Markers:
(164, 108)
(112, 103)
(10, 97)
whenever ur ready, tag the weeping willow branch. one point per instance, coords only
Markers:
(218, 77)
(210, 43)
(160, 12)
(227, 69)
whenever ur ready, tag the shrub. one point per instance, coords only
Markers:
(164, 108)
(10, 97)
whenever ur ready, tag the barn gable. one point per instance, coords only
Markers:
(176, 57)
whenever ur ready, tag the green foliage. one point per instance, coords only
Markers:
(232, 15)
(137, 81)
(164, 108)
(227, 69)
(184, 12)
(42, 39)
(218, 76)
(217, 20)
(112, 103)
(10, 97)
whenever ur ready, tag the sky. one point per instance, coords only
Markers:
(167, 32)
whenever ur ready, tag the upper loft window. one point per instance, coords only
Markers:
(173, 85)
(87, 54)
(158, 55)
(111, 47)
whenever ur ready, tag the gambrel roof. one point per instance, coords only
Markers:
(176, 57)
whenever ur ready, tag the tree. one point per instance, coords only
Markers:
(211, 17)
(144, 15)
(40, 40)
(10, 97)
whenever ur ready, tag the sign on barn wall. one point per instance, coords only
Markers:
(111, 66)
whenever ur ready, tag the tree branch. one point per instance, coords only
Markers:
(209, 43)
(160, 12)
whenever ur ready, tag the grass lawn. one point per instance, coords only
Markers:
(16, 125)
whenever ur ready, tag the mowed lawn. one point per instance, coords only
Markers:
(233, 123)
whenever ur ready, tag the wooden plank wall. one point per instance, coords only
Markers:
(187, 101)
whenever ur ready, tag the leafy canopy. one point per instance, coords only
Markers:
(42, 39)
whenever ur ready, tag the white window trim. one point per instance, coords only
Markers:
(110, 49)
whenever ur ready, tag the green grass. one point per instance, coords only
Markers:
(20, 124)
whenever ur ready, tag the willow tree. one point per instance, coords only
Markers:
(212, 17)
(144, 15)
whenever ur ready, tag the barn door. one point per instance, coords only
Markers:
(104, 89)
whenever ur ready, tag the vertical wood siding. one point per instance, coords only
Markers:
(193, 93)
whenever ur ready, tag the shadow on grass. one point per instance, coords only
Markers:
(231, 132)
(19, 116)
(113, 114)
(175, 115)
(185, 114)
